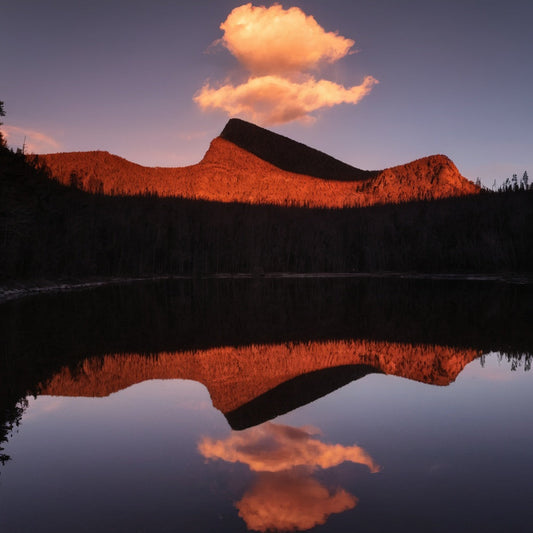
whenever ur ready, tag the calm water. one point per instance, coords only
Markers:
(355, 406)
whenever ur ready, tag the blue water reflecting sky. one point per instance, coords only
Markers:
(452, 458)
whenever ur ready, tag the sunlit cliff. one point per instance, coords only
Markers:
(249, 164)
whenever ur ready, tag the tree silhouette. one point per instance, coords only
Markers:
(2, 114)
(513, 184)
(525, 181)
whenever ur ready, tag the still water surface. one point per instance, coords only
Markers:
(350, 426)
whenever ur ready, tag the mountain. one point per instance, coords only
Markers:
(290, 155)
(249, 164)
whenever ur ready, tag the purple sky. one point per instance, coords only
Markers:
(455, 77)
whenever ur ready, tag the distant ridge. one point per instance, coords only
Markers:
(251, 165)
(290, 155)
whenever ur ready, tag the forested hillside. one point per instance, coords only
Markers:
(51, 231)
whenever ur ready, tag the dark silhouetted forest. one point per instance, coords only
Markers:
(49, 231)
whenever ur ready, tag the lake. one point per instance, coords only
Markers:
(269, 405)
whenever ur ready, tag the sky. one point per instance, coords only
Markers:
(374, 83)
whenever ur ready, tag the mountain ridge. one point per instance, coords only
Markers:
(249, 164)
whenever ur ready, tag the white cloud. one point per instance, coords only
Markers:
(280, 49)
(276, 100)
(35, 141)
(276, 41)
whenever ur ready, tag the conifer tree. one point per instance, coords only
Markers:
(525, 181)
(2, 114)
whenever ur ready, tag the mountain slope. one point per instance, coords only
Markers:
(249, 164)
(290, 155)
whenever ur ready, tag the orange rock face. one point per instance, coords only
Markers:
(230, 173)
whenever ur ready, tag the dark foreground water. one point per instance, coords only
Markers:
(327, 405)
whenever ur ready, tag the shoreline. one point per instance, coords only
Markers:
(18, 290)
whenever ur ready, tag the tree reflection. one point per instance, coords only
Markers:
(517, 359)
(11, 416)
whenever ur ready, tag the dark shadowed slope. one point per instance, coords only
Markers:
(252, 165)
(290, 155)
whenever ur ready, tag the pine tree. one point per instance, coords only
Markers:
(525, 181)
(2, 114)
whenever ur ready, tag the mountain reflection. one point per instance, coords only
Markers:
(285, 496)
(261, 346)
(252, 384)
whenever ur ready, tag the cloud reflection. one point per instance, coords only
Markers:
(285, 496)
(274, 447)
(289, 501)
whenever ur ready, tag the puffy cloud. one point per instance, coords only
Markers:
(275, 100)
(274, 447)
(280, 48)
(36, 141)
(290, 501)
(275, 41)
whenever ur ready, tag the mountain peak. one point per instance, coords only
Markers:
(288, 154)
(250, 164)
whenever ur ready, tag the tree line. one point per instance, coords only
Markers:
(51, 231)
(514, 184)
